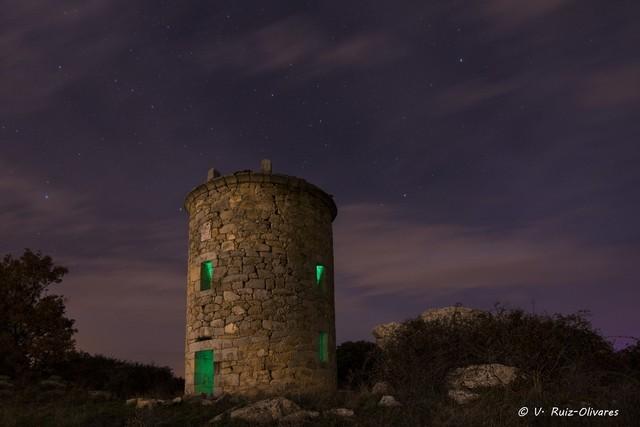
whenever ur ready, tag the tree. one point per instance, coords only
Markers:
(34, 331)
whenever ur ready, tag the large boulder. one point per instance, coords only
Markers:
(53, 383)
(450, 314)
(383, 332)
(142, 403)
(264, 411)
(381, 388)
(463, 382)
(339, 412)
(389, 401)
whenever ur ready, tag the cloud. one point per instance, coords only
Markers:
(509, 14)
(125, 286)
(47, 45)
(127, 307)
(471, 94)
(295, 41)
(29, 206)
(378, 254)
(617, 86)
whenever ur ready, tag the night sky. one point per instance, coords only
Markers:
(478, 152)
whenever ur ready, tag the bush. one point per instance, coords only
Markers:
(121, 378)
(564, 361)
(355, 362)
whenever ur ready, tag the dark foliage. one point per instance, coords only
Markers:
(121, 378)
(630, 358)
(356, 360)
(34, 332)
(563, 359)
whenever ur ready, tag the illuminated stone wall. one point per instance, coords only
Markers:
(265, 234)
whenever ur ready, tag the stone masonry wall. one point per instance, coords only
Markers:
(264, 234)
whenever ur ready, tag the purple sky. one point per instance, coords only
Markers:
(479, 152)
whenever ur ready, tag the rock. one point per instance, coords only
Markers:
(177, 400)
(388, 401)
(53, 383)
(381, 387)
(230, 296)
(225, 398)
(263, 411)
(231, 329)
(449, 314)
(146, 403)
(218, 417)
(462, 396)
(383, 332)
(238, 310)
(340, 412)
(298, 417)
(462, 381)
(100, 394)
(488, 375)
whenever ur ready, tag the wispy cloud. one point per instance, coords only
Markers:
(509, 14)
(127, 307)
(617, 86)
(472, 94)
(297, 42)
(124, 276)
(47, 45)
(383, 255)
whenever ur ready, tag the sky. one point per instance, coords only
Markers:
(479, 152)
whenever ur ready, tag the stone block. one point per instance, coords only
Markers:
(230, 296)
(238, 310)
(234, 275)
(230, 329)
(256, 284)
(261, 294)
(227, 246)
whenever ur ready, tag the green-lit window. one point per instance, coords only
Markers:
(206, 275)
(203, 375)
(320, 276)
(323, 347)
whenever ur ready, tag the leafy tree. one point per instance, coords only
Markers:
(34, 331)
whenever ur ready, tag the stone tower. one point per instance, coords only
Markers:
(260, 294)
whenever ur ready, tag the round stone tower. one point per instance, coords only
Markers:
(260, 294)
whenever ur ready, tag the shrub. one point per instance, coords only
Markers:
(564, 361)
(121, 378)
(355, 362)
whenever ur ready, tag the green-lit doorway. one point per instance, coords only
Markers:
(203, 377)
